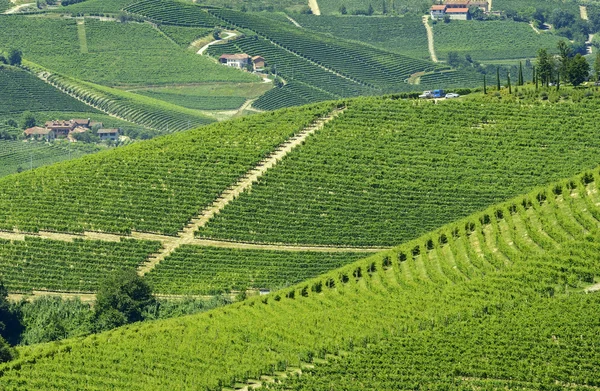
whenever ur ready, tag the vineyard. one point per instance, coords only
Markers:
(173, 13)
(36, 263)
(498, 293)
(184, 36)
(117, 53)
(209, 270)
(157, 186)
(545, 5)
(332, 7)
(4, 5)
(197, 102)
(371, 67)
(18, 156)
(491, 40)
(389, 170)
(405, 35)
(21, 91)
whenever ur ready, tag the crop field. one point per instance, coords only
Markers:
(97, 7)
(332, 7)
(4, 5)
(209, 270)
(157, 186)
(374, 68)
(388, 170)
(545, 5)
(16, 156)
(198, 102)
(118, 53)
(21, 91)
(173, 13)
(36, 263)
(184, 36)
(405, 35)
(502, 286)
(490, 40)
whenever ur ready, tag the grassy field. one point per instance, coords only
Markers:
(492, 301)
(184, 36)
(405, 35)
(212, 96)
(490, 40)
(546, 5)
(406, 159)
(332, 7)
(117, 53)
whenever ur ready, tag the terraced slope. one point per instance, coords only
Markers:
(389, 170)
(157, 186)
(519, 263)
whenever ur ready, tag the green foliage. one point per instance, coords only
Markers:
(7, 353)
(197, 102)
(10, 324)
(47, 319)
(578, 70)
(156, 186)
(501, 286)
(122, 298)
(27, 120)
(15, 56)
(388, 170)
(5, 4)
(36, 263)
(490, 40)
(205, 270)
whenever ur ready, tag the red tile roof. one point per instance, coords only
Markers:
(237, 56)
(457, 10)
(438, 7)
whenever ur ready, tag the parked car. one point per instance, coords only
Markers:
(426, 95)
(452, 95)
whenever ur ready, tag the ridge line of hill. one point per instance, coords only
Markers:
(187, 236)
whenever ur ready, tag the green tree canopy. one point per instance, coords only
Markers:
(122, 299)
(579, 70)
(15, 57)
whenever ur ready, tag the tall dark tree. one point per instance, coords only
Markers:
(122, 299)
(498, 78)
(343, 10)
(15, 57)
(520, 81)
(508, 82)
(484, 85)
(565, 54)
(597, 66)
(370, 11)
(579, 70)
(544, 67)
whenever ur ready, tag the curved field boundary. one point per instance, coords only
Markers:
(245, 183)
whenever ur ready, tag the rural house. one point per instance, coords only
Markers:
(40, 133)
(457, 9)
(259, 63)
(108, 134)
(239, 60)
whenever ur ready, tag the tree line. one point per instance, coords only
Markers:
(122, 298)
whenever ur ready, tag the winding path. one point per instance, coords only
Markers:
(230, 34)
(18, 8)
(430, 38)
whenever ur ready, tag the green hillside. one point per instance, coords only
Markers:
(156, 186)
(114, 53)
(517, 268)
(405, 35)
(491, 40)
(389, 170)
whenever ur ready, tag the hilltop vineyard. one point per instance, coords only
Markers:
(388, 170)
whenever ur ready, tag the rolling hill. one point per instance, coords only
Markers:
(495, 295)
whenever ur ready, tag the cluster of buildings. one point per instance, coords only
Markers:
(457, 9)
(241, 60)
(66, 129)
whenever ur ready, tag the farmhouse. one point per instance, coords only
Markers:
(40, 133)
(108, 134)
(259, 63)
(239, 60)
(457, 9)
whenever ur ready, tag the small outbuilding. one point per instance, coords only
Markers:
(40, 133)
(259, 63)
(108, 134)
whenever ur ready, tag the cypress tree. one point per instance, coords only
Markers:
(558, 81)
(498, 78)
(535, 78)
(508, 79)
(521, 81)
(484, 86)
